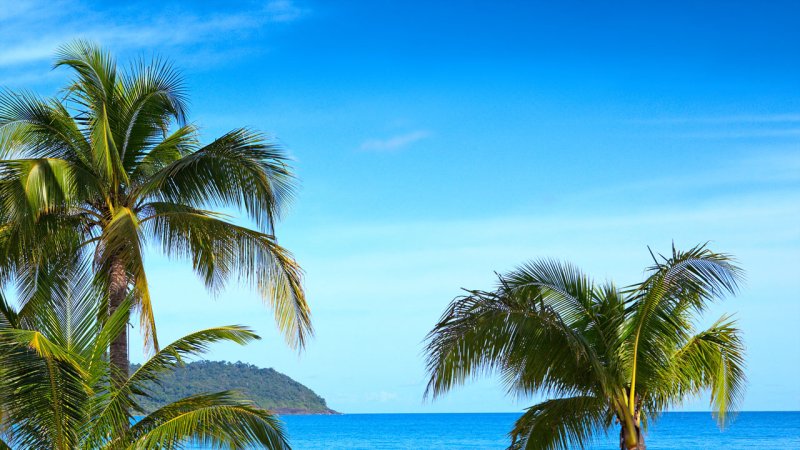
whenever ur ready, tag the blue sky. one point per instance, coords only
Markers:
(438, 142)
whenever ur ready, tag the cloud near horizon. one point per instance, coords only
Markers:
(396, 142)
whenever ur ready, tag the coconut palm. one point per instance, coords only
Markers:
(603, 356)
(56, 390)
(112, 167)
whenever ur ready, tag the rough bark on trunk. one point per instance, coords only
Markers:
(118, 291)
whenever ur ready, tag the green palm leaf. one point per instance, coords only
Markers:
(239, 169)
(220, 250)
(123, 399)
(221, 419)
(559, 424)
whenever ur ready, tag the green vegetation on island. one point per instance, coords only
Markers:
(268, 388)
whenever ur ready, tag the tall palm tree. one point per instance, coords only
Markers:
(603, 355)
(56, 389)
(112, 166)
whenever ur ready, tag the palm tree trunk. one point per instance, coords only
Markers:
(118, 291)
(640, 445)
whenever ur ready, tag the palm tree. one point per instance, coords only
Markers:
(112, 166)
(56, 389)
(603, 355)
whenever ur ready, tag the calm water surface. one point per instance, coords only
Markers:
(750, 430)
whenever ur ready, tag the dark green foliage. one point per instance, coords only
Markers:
(268, 388)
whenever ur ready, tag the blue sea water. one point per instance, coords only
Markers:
(686, 431)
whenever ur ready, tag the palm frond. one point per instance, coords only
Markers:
(8, 316)
(123, 400)
(96, 72)
(151, 94)
(661, 306)
(63, 304)
(697, 276)
(217, 420)
(561, 286)
(711, 360)
(221, 251)
(33, 128)
(48, 184)
(41, 391)
(559, 424)
(487, 331)
(172, 148)
(109, 327)
(594, 312)
(190, 345)
(239, 170)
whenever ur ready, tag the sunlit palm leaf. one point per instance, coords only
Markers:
(220, 420)
(221, 251)
(240, 169)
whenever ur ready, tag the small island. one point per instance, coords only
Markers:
(268, 388)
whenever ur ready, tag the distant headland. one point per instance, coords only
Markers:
(268, 388)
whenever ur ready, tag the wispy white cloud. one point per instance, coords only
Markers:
(28, 51)
(284, 10)
(32, 31)
(395, 142)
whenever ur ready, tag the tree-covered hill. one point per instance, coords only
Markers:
(267, 387)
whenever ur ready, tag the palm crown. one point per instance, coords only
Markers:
(112, 167)
(604, 354)
(56, 390)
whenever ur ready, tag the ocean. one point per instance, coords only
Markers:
(685, 431)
